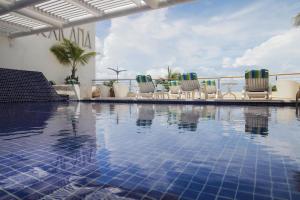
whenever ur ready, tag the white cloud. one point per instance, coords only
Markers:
(149, 42)
(280, 53)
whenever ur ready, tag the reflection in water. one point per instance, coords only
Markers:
(189, 118)
(145, 115)
(85, 153)
(16, 123)
(256, 120)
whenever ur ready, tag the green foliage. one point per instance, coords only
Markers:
(70, 54)
(274, 88)
(109, 83)
(173, 75)
(71, 81)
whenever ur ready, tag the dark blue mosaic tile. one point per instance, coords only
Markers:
(78, 158)
(155, 194)
(262, 197)
(227, 193)
(283, 194)
(25, 86)
(205, 196)
(243, 195)
(190, 194)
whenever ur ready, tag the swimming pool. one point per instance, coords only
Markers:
(129, 151)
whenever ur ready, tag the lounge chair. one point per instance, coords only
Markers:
(190, 85)
(209, 88)
(147, 87)
(257, 84)
(175, 88)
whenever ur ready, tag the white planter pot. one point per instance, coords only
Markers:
(104, 91)
(73, 91)
(121, 91)
(287, 89)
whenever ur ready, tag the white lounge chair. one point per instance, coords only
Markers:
(209, 89)
(190, 85)
(146, 87)
(175, 88)
(257, 84)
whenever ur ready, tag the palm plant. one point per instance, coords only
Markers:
(70, 54)
(172, 75)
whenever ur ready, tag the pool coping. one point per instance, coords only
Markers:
(196, 101)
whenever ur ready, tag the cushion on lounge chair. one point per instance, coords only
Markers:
(189, 76)
(145, 84)
(148, 78)
(174, 83)
(209, 82)
(263, 73)
(257, 80)
(143, 78)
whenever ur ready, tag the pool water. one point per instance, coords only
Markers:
(127, 151)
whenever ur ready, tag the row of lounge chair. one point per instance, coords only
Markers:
(187, 85)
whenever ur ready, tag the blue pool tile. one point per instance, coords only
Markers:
(246, 188)
(9, 197)
(2, 193)
(167, 196)
(206, 196)
(142, 163)
(23, 193)
(295, 195)
(230, 185)
(210, 189)
(266, 191)
(262, 197)
(284, 194)
(195, 186)
(155, 194)
(222, 198)
(244, 195)
(227, 193)
(189, 194)
(181, 183)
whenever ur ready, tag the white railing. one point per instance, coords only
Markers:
(239, 80)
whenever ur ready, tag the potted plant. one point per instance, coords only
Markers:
(110, 84)
(70, 54)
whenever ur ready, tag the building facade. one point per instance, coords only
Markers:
(33, 53)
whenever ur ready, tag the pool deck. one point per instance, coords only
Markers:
(251, 102)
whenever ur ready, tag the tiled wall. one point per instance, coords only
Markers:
(25, 86)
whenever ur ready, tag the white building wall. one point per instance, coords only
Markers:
(33, 53)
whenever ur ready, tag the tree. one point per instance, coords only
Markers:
(70, 54)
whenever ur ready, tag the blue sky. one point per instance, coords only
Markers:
(210, 37)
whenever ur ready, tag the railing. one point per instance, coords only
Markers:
(239, 80)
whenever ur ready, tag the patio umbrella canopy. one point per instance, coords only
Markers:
(26, 17)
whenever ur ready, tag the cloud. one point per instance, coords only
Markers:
(280, 53)
(209, 45)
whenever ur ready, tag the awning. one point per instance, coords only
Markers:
(26, 17)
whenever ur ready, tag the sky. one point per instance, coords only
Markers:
(209, 37)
